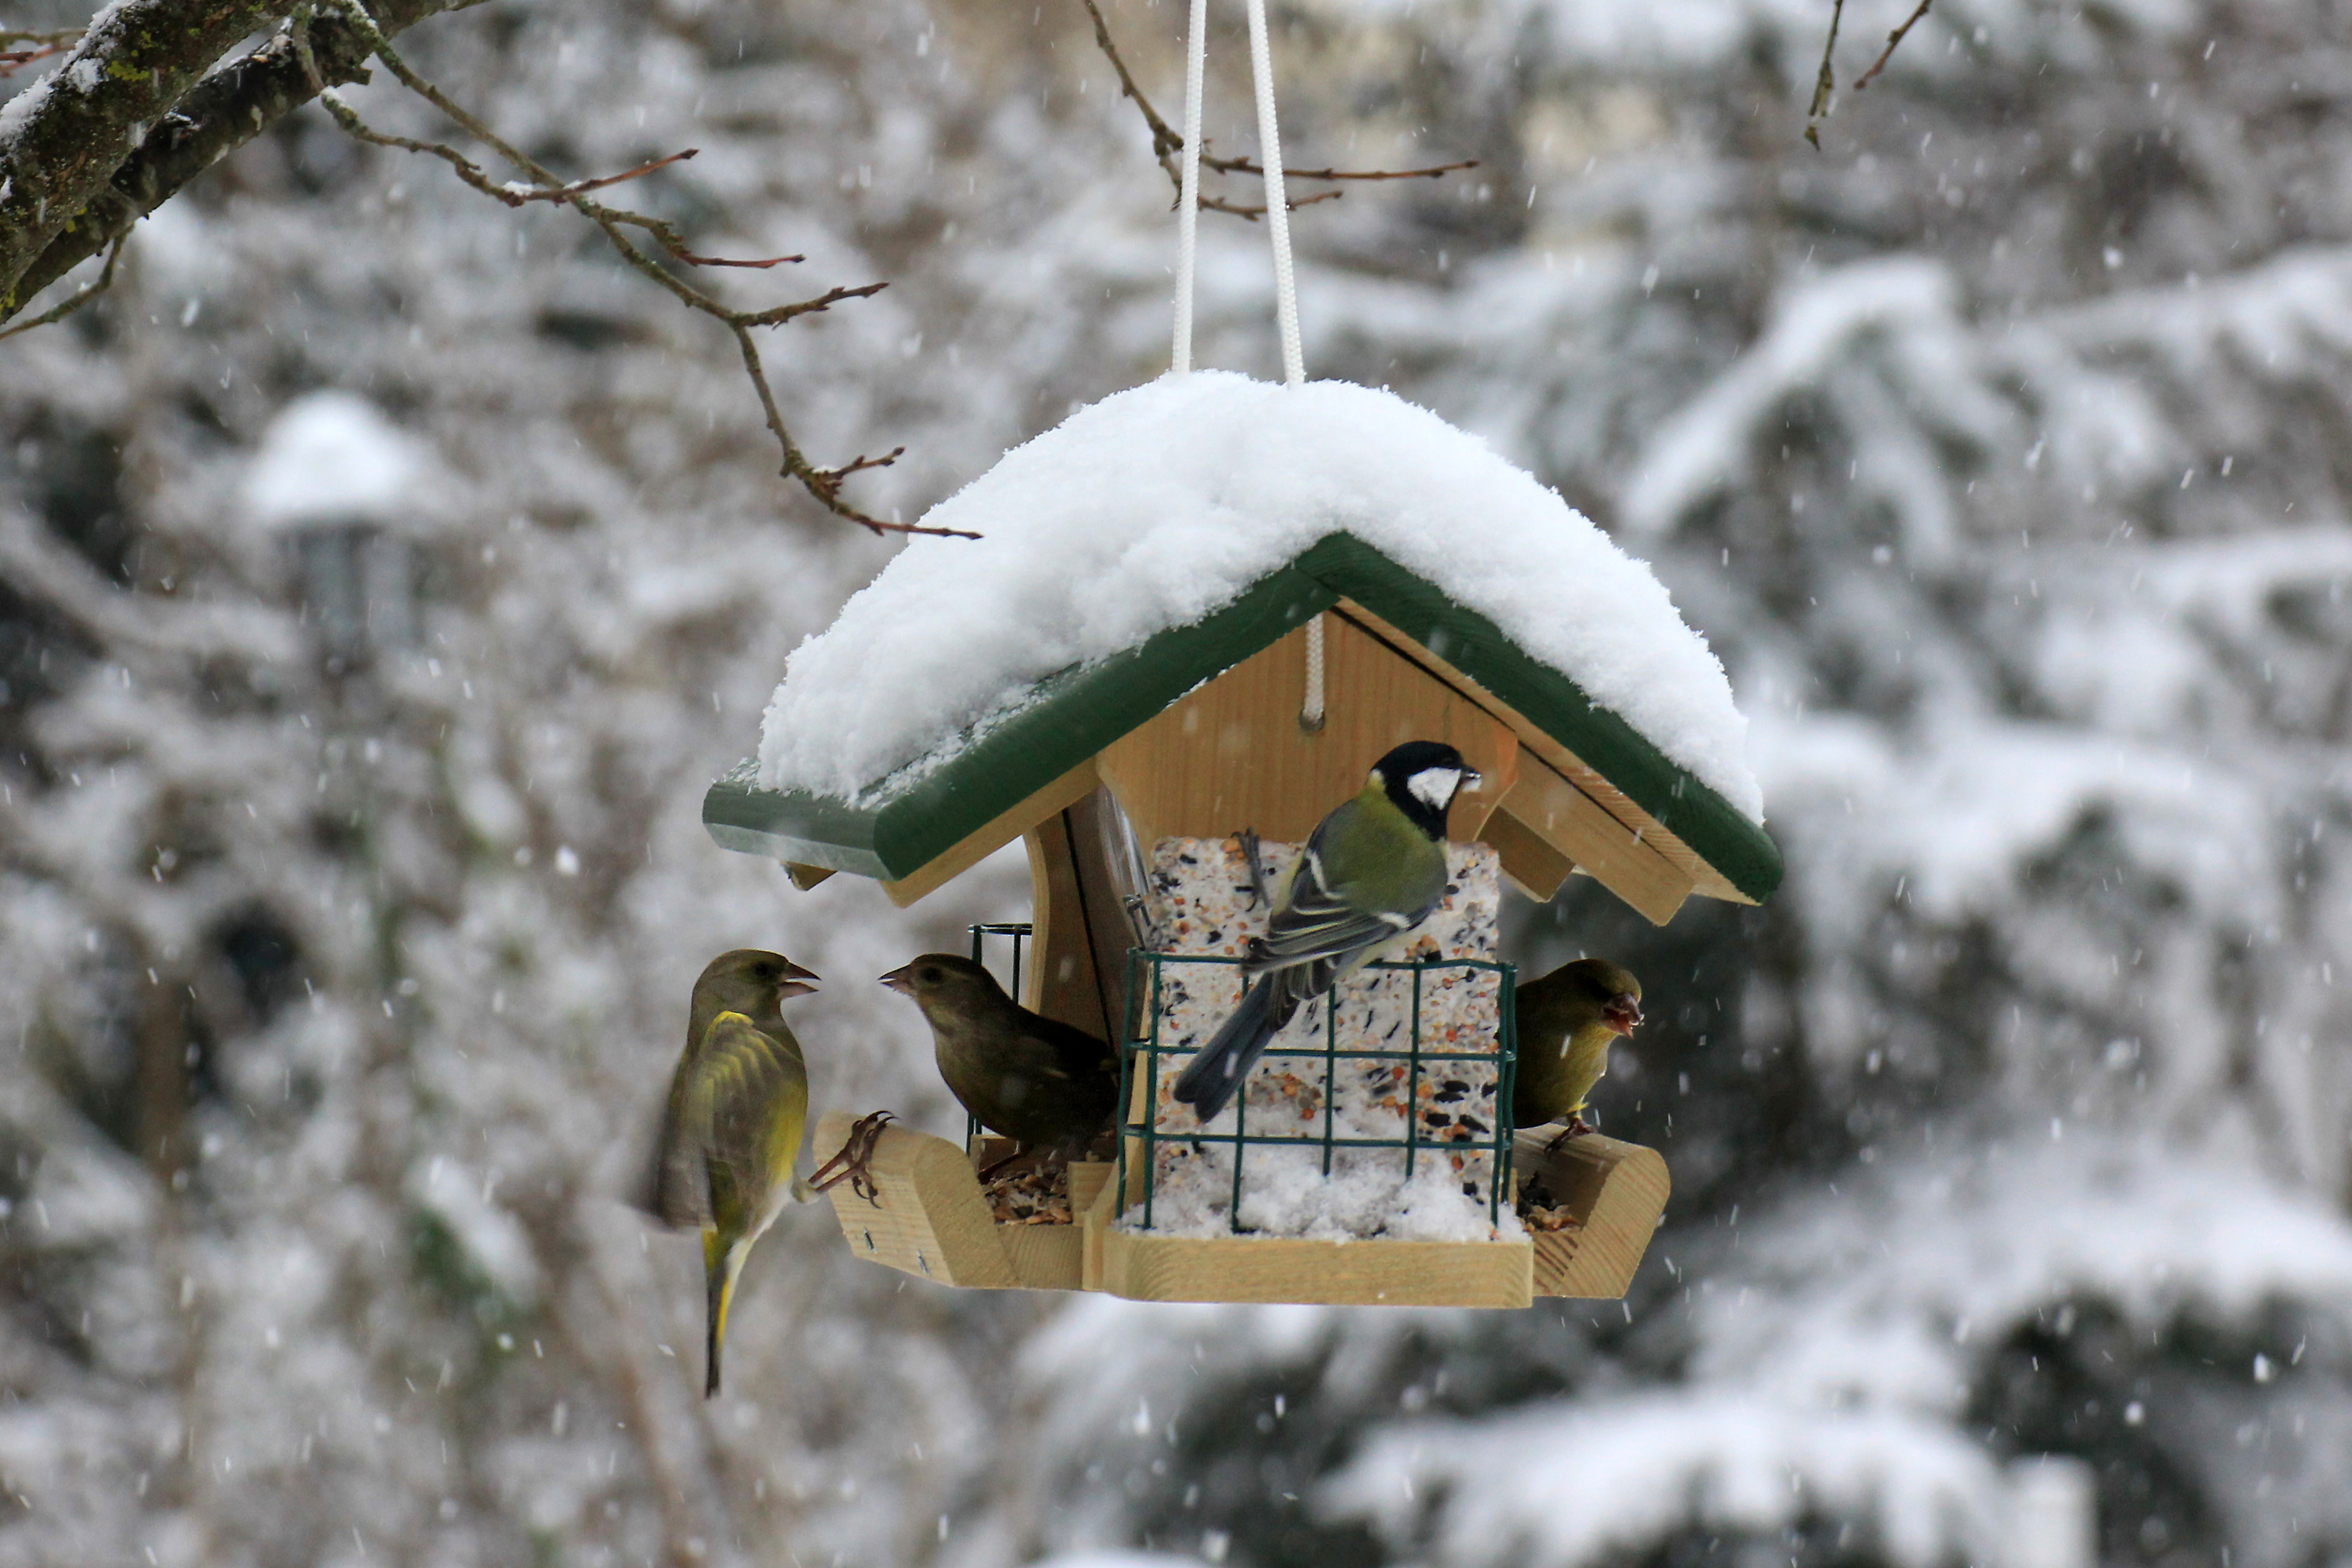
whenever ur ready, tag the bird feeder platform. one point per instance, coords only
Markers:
(929, 1218)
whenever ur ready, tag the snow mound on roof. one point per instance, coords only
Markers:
(329, 456)
(1158, 506)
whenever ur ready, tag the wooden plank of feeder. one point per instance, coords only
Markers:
(1231, 754)
(1533, 867)
(1142, 1267)
(929, 1218)
(1572, 825)
(1618, 1190)
(1052, 1257)
(1000, 830)
(1705, 878)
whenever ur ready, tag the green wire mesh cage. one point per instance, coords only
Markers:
(1415, 1063)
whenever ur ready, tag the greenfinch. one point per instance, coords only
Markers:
(1372, 872)
(738, 1105)
(1567, 1021)
(1033, 1080)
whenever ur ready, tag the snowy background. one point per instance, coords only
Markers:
(352, 752)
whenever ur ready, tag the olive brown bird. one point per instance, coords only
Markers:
(1037, 1080)
(731, 1132)
(1567, 1022)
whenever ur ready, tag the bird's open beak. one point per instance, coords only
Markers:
(897, 981)
(798, 982)
(1471, 779)
(1622, 1015)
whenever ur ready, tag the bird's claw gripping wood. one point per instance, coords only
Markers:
(1577, 1127)
(856, 1151)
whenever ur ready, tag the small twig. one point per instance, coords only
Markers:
(822, 484)
(80, 297)
(647, 167)
(1824, 80)
(1248, 166)
(1893, 40)
(1166, 143)
(44, 46)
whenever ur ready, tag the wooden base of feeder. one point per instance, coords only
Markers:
(1144, 1267)
(929, 1219)
(1616, 1191)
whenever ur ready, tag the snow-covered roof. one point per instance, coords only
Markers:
(1155, 507)
(331, 456)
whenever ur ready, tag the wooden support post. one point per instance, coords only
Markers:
(1080, 929)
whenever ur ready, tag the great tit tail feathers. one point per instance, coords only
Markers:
(1213, 1076)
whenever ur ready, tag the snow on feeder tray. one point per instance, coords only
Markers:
(1210, 603)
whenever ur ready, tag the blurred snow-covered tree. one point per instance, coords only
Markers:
(1997, 447)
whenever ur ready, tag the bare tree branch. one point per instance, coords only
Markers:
(1824, 80)
(1166, 143)
(1893, 39)
(44, 44)
(82, 120)
(220, 113)
(822, 484)
(79, 298)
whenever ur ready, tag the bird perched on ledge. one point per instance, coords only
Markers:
(738, 1103)
(1567, 1022)
(1033, 1080)
(1372, 872)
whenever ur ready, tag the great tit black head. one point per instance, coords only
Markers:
(1421, 778)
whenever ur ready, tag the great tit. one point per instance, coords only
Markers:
(1372, 872)
(1040, 1082)
(1567, 1021)
(738, 1103)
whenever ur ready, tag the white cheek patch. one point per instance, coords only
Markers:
(1435, 787)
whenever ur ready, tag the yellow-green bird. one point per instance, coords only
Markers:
(1566, 1023)
(738, 1104)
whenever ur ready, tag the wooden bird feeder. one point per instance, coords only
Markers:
(1194, 733)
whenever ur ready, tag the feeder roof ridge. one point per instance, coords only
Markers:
(1156, 509)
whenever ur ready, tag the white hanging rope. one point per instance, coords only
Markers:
(1188, 206)
(1278, 206)
(1277, 221)
(1310, 713)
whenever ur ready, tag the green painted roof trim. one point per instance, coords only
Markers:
(1693, 812)
(1078, 712)
(1072, 715)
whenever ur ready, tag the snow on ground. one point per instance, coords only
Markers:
(1159, 505)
